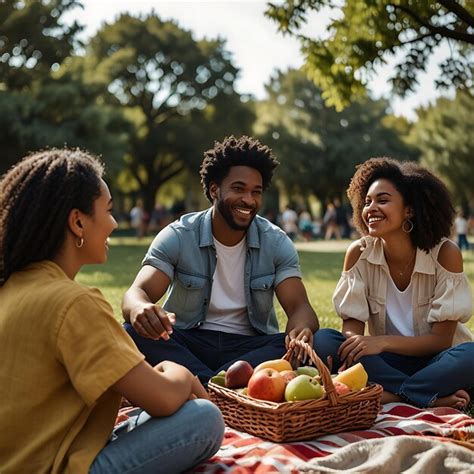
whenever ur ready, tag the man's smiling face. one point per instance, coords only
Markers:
(239, 196)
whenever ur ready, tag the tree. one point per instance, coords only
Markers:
(443, 134)
(60, 112)
(363, 33)
(161, 77)
(33, 39)
(41, 103)
(317, 146)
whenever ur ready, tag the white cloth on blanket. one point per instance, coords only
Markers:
(395, 455)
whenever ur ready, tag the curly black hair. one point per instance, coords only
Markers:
(425, 193)
(36, 197)
(243, 151)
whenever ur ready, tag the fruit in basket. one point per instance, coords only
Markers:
(354, 377)
(341, 388)
(277, 364)
(303, 387)
(288, 375)
(238, 374)
(219, 379)
(267, 384)
(307, 370)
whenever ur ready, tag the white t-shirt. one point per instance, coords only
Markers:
(399, 310)
(228, 306)
(136, 216)
(461, 225)
(289, 221)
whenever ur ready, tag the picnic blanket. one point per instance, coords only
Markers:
(403, 439)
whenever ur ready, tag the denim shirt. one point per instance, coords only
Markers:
(184, 250)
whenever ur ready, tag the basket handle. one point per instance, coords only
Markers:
(319, 364)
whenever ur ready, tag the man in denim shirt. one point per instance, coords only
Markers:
(222, 267)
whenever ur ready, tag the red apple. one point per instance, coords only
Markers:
(267, 384)
(238, 374)
(341, 388)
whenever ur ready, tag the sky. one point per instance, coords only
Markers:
(257, 47)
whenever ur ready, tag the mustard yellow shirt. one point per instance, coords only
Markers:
(61, 350)
(438, 295)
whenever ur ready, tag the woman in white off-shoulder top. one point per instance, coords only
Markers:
(405, 279)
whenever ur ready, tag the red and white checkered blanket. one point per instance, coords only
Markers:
(242, 453)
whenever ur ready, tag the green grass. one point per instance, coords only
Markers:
(321, 269)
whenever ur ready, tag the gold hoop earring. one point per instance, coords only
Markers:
(410, 226)
(80, 242)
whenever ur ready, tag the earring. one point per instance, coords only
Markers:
(410, 226)
(80, 242)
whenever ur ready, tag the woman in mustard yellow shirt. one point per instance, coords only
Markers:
(66, 362)
(405, 279)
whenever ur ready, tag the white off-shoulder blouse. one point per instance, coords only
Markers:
(438, 295)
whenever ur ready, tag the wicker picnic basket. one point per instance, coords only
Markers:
(302, 420)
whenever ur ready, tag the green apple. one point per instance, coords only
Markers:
(303, 387)
(307, 370)
(218, 380)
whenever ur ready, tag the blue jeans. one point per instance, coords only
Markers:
(206, 352)
(463, 243)
(418, 380)
(170, 444)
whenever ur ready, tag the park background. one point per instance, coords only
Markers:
(326, 84)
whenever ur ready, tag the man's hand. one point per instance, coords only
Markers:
(299, 334)
(152, 321)
(355, 347)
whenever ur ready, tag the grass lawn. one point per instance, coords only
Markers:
(321, 263)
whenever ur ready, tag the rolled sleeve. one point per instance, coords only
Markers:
(163, 252)
(452, 300)
(349, 298)
(287, 263)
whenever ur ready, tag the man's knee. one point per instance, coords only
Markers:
(327, 337)
(326, 343)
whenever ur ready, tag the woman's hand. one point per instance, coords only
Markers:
(198, 390)
(355, 347)
(298, 334)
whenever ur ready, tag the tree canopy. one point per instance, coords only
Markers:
(33, 39)
(160, 76)
(444, 136)
(41, 103)
(363, 33)
(319, 147)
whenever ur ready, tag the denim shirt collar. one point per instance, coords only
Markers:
(423, 264)
(206, 239)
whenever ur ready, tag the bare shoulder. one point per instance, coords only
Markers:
(352, 254)
(450, 258)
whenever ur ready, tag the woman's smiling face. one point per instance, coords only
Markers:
(384, 211)
(98, 227)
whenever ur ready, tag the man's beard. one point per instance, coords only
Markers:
(226, 212)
